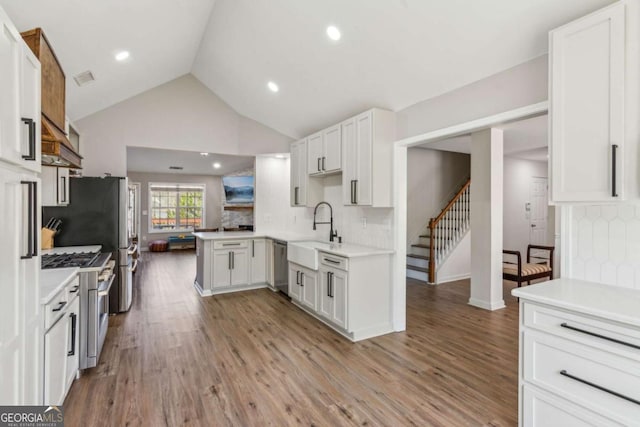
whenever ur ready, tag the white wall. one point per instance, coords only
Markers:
(213, 199)
(182, 114)
(518, 174)
(433, 178)
(519, 86)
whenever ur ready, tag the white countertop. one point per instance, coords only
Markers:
(344, 249)
(54, 279)
(71, 250)
(611, 302)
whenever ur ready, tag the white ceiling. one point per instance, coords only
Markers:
(152, 160)
(393, 53)
(524, 139)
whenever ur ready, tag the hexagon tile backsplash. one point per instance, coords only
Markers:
(605, 244)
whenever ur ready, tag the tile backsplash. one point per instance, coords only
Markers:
(605, 244)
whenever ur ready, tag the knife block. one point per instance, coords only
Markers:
(47, 238)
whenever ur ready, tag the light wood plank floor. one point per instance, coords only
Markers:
(252, 358)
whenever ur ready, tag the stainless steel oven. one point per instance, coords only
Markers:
(95, 283)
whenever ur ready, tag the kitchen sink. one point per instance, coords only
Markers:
(305, 253)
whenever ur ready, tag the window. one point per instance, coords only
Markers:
(175, 207)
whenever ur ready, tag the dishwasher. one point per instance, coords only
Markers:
(280, 266)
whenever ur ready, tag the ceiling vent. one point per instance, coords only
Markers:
(176, 168)
(84, 78)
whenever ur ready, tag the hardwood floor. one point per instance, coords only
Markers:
(252, 358)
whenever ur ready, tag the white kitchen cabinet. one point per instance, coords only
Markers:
(304, 191)
(21, 331)
(324, 155)
(73, 355)
(303, 285)
(367, 142)
(55, 355)
(55, 186)
(269, 259)
(230, 267)
(20, 105)
(333, 295)
(258, 261)
(578, 340)
(593, 95)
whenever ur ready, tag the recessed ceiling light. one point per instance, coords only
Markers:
(273, 87)
(333, 33)
(217, 165)
(280, 156)
(204, 154)
(121, 56)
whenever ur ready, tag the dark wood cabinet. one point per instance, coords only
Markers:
(53, 78)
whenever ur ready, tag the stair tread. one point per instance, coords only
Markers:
(420, 269)
(418, 256)
(420, 245)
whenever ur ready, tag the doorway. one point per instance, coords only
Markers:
(538, 211)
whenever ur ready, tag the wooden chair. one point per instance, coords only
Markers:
(536, 267)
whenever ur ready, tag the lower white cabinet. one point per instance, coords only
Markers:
(258, 260)
(351, 295)
(269, 259)
(303, 285)
(577, 368)
(230, 267)
(333, 295)
(61, 345)
(55, 186)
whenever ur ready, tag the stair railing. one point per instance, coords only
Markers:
(448, 227)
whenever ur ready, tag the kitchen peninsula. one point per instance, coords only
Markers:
(324, 279)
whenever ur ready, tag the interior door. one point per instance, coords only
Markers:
(538, 211)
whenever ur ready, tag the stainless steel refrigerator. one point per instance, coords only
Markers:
(97, 215)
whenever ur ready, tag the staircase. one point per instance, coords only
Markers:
(440, 237)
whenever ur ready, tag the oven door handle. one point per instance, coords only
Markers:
(132, 251)
(106, 286)
(134, 266)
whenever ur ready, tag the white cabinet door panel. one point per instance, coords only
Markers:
(587, 93)
(364, 137)
(315, 151)
(11, 149)
(239, 267)
(221, 270)
(332, 157)
(309, 283)
(55, 354)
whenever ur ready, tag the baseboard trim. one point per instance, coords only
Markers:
(452, 278)
(487, 305)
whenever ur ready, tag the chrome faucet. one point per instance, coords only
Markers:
(332, 233)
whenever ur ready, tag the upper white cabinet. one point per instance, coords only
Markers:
(55, 186)
(367, 155)
(324, 155)
(304, 191)
(20, 106)
(593, 106)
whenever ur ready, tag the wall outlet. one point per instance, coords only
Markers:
(364, 222)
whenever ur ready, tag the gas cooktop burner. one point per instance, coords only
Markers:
(83, 259)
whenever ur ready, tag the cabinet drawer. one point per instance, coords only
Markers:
(543, 409)
(606, 383)
(55, 308)
(73, 289)
(230, 244)
(334, 261)
(598, 333)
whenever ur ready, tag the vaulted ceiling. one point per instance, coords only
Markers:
(393, 53)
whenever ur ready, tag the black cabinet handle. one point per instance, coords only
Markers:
(253, 249)
(60, 306)
(353, 200)
(233, 260)
(599, 387)
(332, 261)
(319, 164)
(355, 192)
(323, 159)
(593, 334)
(74, 289)
(614, 152)
(229, 261)
(328, 284)
(297, 277)
(301, 278)
(73, 317)
(32, 139)
(331, 284)
(32, 221)
(295, 195)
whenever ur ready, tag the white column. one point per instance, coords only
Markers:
(486, 219)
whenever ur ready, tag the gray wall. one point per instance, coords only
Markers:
(213, 199)
(181, 114)
(433, 177)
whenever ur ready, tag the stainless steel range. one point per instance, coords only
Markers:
(96, 277)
